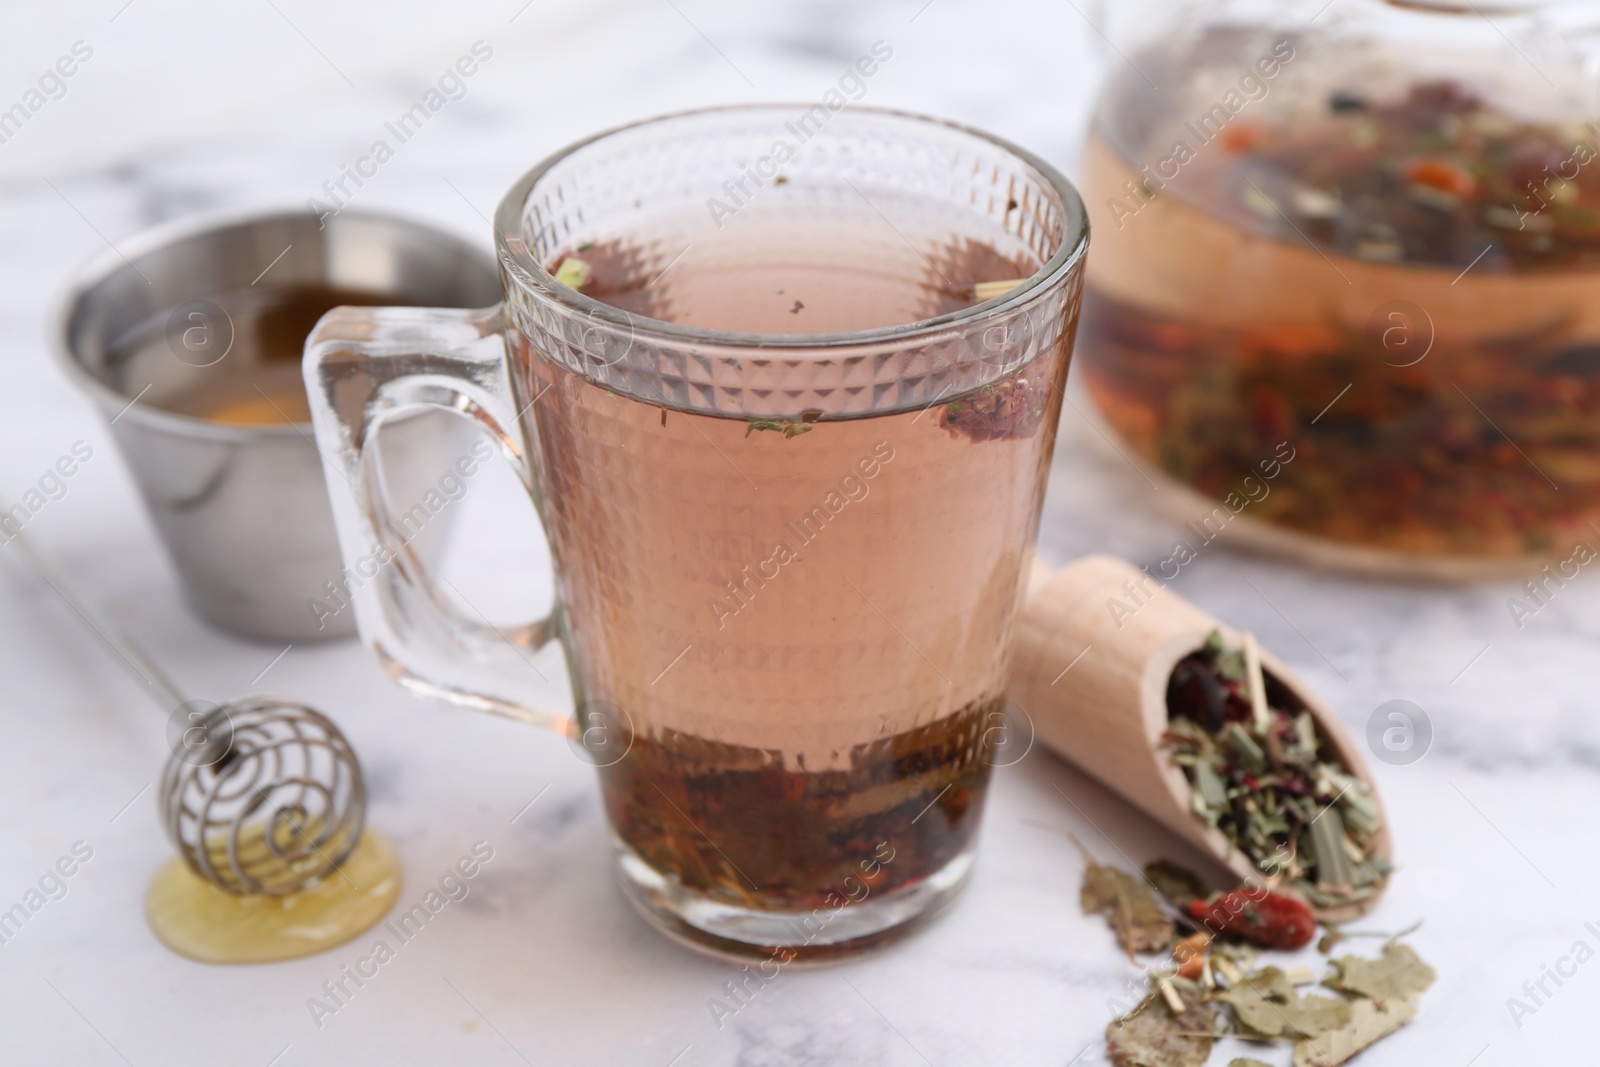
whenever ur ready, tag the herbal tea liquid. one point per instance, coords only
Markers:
(801, 633)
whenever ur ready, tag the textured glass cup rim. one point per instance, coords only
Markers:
(533, 278)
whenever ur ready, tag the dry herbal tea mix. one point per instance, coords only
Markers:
(1442, 389)
(1261, 775)
(1210, 984)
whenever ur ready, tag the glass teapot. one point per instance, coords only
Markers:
(1345, 288)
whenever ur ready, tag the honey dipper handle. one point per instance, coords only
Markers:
(164, 691)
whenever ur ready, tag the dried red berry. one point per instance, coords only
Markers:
(1274, 920)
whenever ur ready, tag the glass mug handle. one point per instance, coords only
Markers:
(366, 368)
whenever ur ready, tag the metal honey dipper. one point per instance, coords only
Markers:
(261, 795)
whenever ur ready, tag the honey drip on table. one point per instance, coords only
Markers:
(196, 919)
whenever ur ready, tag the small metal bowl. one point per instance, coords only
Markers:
(243, 509)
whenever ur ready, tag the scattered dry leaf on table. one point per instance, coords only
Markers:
(1152, 1036)
(1399, 974)
(1313, 1016)
(1267, 1006)
(1132, 909)
(1270, 982)
(1286, 1017)
(1370, 1020)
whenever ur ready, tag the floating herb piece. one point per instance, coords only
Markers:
(1246, 1061)
(1261, 775)
(574, 273)
(1398, 975)
(1153, 1035)
(983, 291)
(1012, 407)
(788, 427)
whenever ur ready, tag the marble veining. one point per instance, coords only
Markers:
(194, 108)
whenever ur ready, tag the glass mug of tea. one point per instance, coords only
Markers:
(783, 386)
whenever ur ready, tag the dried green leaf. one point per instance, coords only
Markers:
(1359, 811)
(1231, 665)
(1399, 974)
(1327, 844)
(1272, 983)
(1178, 884)
(1312, 1016)
(1210, 790)
(788, 427)
(1240, 952)
(1335, 897)
(1305, 746)
(1246, 1061)
(1267, 1005)
(1131, 907)
(1240, 741)
(574, 273)
(1257, 1016)
(1229, 661)
(1370, 1020)
(1152, 1036)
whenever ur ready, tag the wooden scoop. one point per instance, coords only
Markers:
(1093, 678)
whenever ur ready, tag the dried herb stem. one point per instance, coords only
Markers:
(1258, 684)
(989, 290)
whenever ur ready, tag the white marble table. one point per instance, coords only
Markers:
(185, 107)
